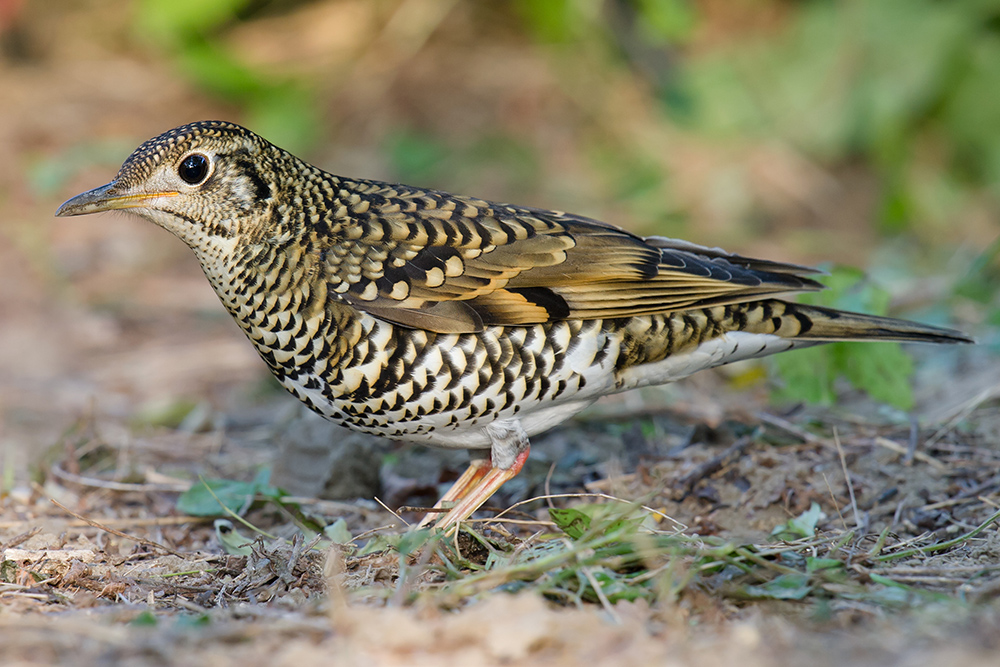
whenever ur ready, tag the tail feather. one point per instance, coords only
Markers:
(829, 325)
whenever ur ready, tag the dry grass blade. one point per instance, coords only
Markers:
(110, 485)
(962, 412)
(603, 496)
(942, 546)
(108, 529)
(713, 465)
(789, 427)
(847, 479)
(906, 452)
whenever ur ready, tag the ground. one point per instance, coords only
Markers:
(711, 525)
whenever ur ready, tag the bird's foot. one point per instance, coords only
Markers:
(477, 469)
(482, 483)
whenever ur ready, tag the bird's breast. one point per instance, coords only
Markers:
(444, 389)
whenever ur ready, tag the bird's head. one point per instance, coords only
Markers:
(205, 182)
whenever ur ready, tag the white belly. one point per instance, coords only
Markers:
(730, 347)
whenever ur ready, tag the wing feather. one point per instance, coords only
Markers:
(454, 264)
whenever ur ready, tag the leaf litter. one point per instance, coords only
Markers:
(705, 534)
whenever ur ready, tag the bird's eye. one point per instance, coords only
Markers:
(193, 169)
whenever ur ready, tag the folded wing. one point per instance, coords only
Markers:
(454, 265)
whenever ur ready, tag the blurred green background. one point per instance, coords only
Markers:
(863, 133)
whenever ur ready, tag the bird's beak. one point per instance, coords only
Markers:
(107, 198)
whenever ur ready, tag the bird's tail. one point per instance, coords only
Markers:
(828, 325)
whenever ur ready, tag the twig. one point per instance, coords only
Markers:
(408, 574)
(941, 546)
(386, 508)
(836, 504)
(323, 503)
(968, 494)
(609, 610)
(371, 532)
(847, 477)
(548, 482)
(908, 454)
(911, 445)
(20, 539)
(517, 522)
(989, 502)
(899, 511)
(791, 428)
(964, 411)
(96, 483)
(333, 573)
(108, 529)
(951, 502)
(713, 465)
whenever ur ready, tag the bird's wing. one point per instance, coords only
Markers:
(452, 264)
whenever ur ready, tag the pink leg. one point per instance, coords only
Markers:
(477, 469)
(477, 493)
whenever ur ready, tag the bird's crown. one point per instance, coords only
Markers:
(215, 136)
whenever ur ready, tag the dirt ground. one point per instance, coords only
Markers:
(122, 382)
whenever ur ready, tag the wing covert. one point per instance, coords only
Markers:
(454, 264)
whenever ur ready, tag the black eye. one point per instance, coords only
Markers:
(193, 169)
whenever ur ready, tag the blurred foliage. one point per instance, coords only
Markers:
(281, 108)
(421, 158)
(981, 284)
(881, 369)
(910, 87)
(902, 84)
(216, 497)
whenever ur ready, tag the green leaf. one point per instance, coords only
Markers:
(613, 585)
(379, 543)
(214, 69)
(286, 114)
(192, 621)
(782, 587)
(145, 619)
(204, 498)
(804, 525)
(910, 591)
(665, 21)
(554, 20)
(8, 571)
(411, 541)
(169, 413)
(416, 156)
(571, 521)
(883, 370)
(807, 375)
(814, 564)
(233, 542)
(981, 282)
(598, 518)
(338, 532)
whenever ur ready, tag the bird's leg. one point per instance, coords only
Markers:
(509, 451)
(479, 466)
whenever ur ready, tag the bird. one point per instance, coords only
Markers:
(453, 321)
